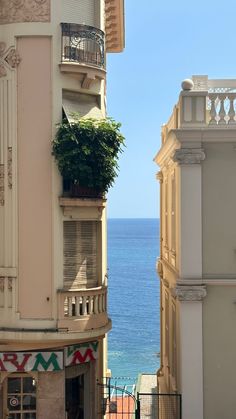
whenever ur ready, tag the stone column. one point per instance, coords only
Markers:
(191, 349)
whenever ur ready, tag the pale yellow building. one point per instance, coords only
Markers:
(53, 282)
(197, 263)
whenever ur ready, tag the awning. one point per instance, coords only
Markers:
(83, 105)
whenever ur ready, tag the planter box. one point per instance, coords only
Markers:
(78, 191)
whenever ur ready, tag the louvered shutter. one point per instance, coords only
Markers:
(78, 11)
(80, 254)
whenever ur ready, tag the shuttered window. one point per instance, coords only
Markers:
(79, 11)
(80, 254)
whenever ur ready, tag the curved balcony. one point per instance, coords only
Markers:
(82, 51)
(82, 310)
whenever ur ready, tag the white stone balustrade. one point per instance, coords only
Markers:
(222, 108)
(203, 110)
(83, 309)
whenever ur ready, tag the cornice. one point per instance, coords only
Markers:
(164, 154)
(216, 135)
(115, 26)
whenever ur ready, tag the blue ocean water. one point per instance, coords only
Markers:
(133, 343)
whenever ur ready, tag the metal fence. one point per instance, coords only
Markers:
(116, 402)
(158, 406)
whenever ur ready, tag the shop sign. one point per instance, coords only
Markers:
(81, 353)
(31, 361)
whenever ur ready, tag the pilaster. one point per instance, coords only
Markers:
(190, 209)
(189, 158)
(190, 300)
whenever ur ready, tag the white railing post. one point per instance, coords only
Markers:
(231, 113)
(222, 112)
(212, 98)
(192, 106)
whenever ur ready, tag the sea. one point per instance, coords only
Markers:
(134, 341)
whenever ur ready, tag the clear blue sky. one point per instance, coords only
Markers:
(166, 42)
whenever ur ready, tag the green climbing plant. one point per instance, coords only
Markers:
(87, 152)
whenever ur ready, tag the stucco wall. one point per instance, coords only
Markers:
(34, 171)
(219, 209)
(51, 395)
(219, 349)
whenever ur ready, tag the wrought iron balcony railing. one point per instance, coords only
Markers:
(82, 44)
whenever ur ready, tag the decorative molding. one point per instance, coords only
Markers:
(114, 23)
(87, 81)
(159, 268)
(2, 281)
(9, 272)
(9, 167)
(159, 176)
(2, 189)
(9, 58)
(17, 11)
(188, 156)
(10, 284)
(189, 293)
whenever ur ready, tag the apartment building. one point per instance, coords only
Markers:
(197, 264)
(53, 273)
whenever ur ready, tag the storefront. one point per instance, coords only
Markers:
(57, 384)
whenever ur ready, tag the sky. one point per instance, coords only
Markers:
(166, 42)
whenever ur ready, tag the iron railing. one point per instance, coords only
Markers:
(82, 44)
(116, 402)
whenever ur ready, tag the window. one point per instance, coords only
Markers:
(21, 397)
(80, 254)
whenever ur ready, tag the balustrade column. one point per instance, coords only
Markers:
(222, 112)
(231, 113)
(213, 109)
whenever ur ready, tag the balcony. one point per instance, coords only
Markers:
(205, 104)
(82, 52)
(83, 310)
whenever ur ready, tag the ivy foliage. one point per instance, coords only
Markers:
(87, 150)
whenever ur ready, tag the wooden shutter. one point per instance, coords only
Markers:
(80, 254)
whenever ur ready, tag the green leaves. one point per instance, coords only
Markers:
(87, 151)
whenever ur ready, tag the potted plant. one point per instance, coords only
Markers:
(86, 152)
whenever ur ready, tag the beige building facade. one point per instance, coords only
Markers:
(53, 273)
(197, 264)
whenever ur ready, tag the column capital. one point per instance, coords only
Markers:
(159, 176)
(190, 293)
(159, 268)
(188, 156)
